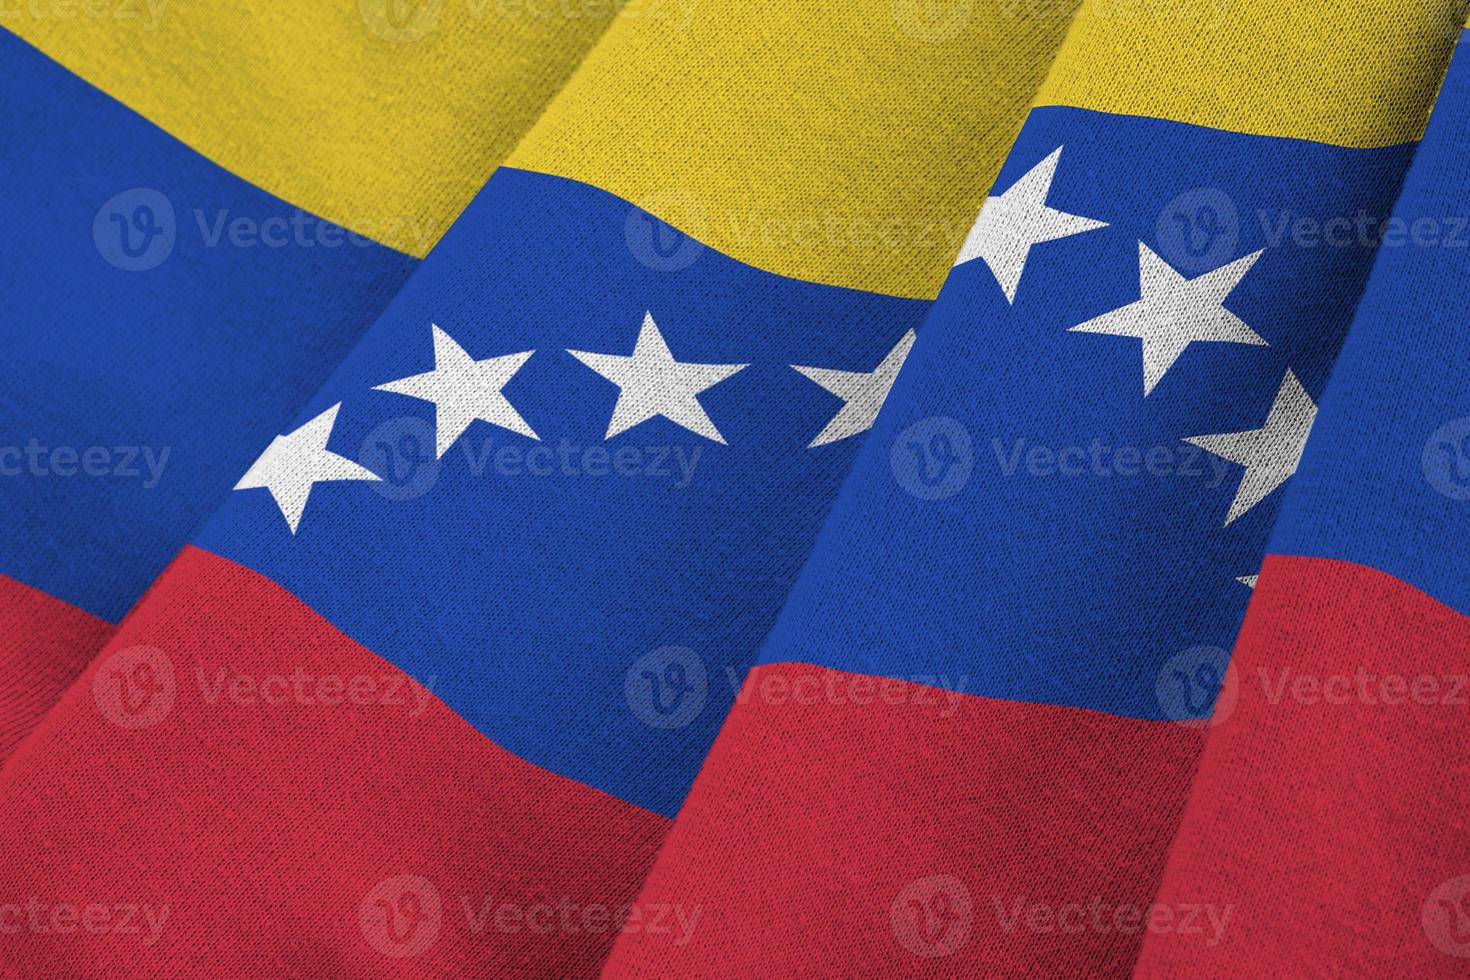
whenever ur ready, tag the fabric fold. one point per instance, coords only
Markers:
(1334, 783)
(511, 558)
(971, 737)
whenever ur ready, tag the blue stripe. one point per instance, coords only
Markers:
(194, 347)
(1386, 478)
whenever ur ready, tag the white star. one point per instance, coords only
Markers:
(1174, 312)
(863, 391)
(653, 383)
(1010, 224)
(292, 463)
(1269, 454)
(1249, 581)
(463, 390)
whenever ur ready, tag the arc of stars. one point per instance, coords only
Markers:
(1172, 313)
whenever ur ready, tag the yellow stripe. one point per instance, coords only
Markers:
(849, 142)
(383, 115)
(1350, 72)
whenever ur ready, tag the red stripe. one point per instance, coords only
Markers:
(44, 644)
(1332, 809)
(845, 825)
(287, 826)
